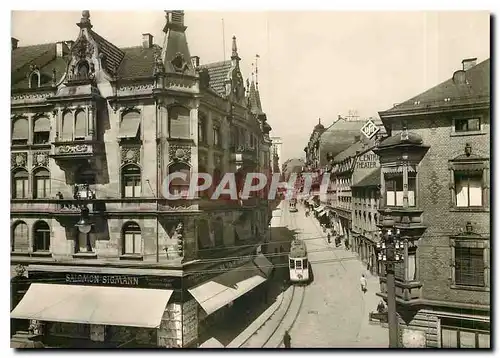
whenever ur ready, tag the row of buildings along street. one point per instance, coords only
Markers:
(97, 128)
(426, 164)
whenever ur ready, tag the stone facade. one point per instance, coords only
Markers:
(101, 124)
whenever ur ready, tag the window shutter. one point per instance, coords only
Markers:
(179, 119)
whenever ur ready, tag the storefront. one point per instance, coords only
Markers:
(71, 309)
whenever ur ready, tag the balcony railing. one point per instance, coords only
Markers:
(73, 149)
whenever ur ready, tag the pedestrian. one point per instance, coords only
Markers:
(329, 238)
(362, 281)
(287, 340)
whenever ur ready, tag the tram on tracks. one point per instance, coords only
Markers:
(298, 262)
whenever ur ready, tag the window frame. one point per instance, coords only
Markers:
(470, 241)
(134, 229)
(475, 166)
(45, 237)
(202, 129)
(136, 177)
(398, 179)
(217, 138)
(46, 183)
(458, 326)
(14, 237)
(187, 127)
(26, 185)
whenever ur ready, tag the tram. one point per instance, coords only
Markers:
(298, 262)
(293, 206)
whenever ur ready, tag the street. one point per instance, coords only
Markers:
(334, 311)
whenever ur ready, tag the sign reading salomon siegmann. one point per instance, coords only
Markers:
(102, 279)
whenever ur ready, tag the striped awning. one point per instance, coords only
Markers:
(129, 126)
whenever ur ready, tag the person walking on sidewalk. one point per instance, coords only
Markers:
(287, 340)
(362, 281)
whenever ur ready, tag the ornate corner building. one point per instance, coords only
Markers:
(97, 129)
(435, 172)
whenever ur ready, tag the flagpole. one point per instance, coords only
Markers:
(223, 40)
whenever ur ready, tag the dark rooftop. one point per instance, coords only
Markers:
(372, 179)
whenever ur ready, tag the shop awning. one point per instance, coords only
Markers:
(212, 343)
(225, 288)
(322, 213)
(42, 124)
(113, 306)
(319, 208)
(263, 264)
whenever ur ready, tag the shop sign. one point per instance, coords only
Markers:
(217, 270)
(102, 279)
(367, 161)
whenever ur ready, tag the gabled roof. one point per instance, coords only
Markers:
(451, 93)
(23, 56)
(113, 54)
(372, 179)
(362, 145)
(218, 72)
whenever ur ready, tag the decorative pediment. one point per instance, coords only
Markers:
(180, 153)
(40, 159)
(179, 63)
(82, 49)
(130, 155)
(18, 160)
(468, 231)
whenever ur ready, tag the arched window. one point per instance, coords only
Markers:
(202, 129)
(20, 184)
(41, 181)
(80, 125)
(179, 122)
(20, 131)
(179, 185)
(219, 231)
(41, 237)
(67, 127)
(132, 239)
(20, 238)
(41, 130)
(131, 181)
(83, 70)
(34, 81)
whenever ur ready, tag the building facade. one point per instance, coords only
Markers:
(277, 160)
(96, 130)
(435, 179)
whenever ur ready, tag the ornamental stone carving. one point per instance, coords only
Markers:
(77, 149)
(40, 159)
(180, 153)
(83, 48)
(130, 155)
(18, 160)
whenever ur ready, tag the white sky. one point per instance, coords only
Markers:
(312, 64)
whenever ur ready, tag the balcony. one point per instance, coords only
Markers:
(70, 150)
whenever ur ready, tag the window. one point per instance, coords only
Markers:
(217, 138)
(298, 264)
(395, 192)
(41, 236)
(20, 131)
(469, 266)
(467, 125)
(80, 125)
(305, 264)
(132, 240)
(20, 184)
(292, 264)
(468, 190)
(456, 333)
(83, 70)
(179, 122)
(412, 264)
(204, 241)
(34, 81)
(131, 181)
(41, 131)
(202, 125)
(67, 127)
(20, 238)
(179, 185)
(41, 180)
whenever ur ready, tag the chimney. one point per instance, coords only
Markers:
(468, 63)
(14, 42)
(195, 61)
(357, 138)
(147, 40)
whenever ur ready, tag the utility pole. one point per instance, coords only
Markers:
(389, 252)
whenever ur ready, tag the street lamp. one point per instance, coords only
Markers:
(84, 225)
(390, 251)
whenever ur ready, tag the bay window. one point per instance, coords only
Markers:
(394, 187)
